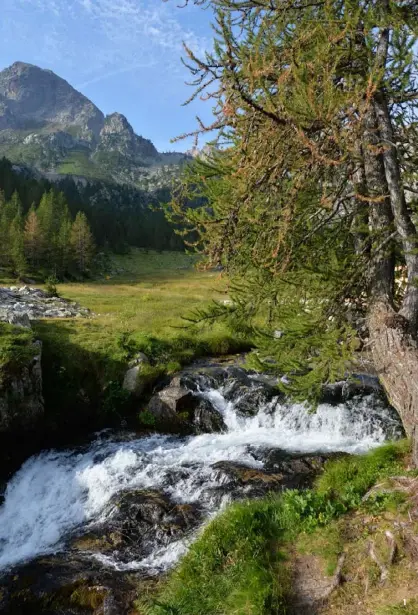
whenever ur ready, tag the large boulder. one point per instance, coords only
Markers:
(177, 409)
(172, 409)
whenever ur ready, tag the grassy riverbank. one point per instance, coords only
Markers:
(263, 557)
(139, 305)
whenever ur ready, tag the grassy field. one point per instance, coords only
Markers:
(139, 304)
(145, 296)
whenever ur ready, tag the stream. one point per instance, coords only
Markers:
(129, 503)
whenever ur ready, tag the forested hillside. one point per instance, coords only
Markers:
(47, 239)
(37, 221)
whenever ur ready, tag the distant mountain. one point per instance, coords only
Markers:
(49, 126)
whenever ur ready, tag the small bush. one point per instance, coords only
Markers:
(51, 286)
(146, 418)
(115, 399)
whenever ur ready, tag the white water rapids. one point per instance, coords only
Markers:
(57, 493)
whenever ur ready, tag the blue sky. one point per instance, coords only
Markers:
(122, 54)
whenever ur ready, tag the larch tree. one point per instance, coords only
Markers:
(33, 239)
(82, 242)
(64, 241)
(17, 248)
(305, 196)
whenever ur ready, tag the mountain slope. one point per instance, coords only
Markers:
(47, 124)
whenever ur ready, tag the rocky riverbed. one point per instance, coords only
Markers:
(81, 530)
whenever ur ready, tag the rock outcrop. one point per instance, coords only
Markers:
(21, 400)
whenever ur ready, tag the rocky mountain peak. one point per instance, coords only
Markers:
(118, 135)
(116, 123)
(48, 125)
(33, 97)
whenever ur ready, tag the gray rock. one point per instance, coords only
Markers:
(132, 381)
(359, 384)
(207, 419)
(172, 409)
(18, 305)
(19, 320)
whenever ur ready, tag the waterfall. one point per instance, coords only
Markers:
(56, 494)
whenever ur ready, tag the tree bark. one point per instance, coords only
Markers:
(395, 356)
(382, 272)
(403, 222)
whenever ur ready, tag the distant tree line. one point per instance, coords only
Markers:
(119, 216)
(47, 239)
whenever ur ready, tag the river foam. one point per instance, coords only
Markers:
(56, 493)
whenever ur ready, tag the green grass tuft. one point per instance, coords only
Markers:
(235, 567)
(349, 478)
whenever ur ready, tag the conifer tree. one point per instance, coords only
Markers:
(305, 203)
(33, 239)
(64, 241)
(10, 210)
(17, 247)
(47, 221)
(82, 242)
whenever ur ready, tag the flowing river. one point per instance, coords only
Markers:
(58, 495)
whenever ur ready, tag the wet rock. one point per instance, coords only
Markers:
(358, 384)
(248, 397)
(65, 585)
(178, 409)
(138, 523)
(207, 419)
(287, 474)
(203, 378)
(173, 408)
(300, 465)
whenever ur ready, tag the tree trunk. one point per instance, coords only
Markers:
(382, 269)
(395, 356)
(403, 222)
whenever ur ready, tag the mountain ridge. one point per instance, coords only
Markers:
(48, 125)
